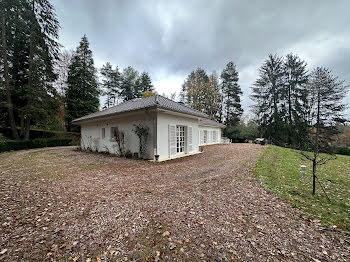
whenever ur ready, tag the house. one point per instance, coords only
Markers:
(174, 129)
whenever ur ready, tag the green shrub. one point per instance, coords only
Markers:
(343, 151)
(48, 134)
(35, 143)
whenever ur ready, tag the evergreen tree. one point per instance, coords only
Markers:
(43, 50)
(145, 83)
(29, 30)
(295, 98)
(82, 96)
(9, 11)
(326, 108)
(111, 82)
(130, 87)
(267, 92)
(231, 94)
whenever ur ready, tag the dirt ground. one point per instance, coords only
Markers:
(60, 204)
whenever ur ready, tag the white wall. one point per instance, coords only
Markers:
(209, 131)
(91, 134)
(163, 122)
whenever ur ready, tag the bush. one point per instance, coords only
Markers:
(35, 143)
(343, 151)
(38, 133)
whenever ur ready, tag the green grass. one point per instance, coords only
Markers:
(278, 169)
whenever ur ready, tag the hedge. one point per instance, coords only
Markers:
(35, 143)
(47, 134)
(343, 151)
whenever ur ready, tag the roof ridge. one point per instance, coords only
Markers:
(184, 105)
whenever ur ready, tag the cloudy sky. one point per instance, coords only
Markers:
(171, 38)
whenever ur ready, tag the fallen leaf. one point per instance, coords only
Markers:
(166, 234)
(3, 251)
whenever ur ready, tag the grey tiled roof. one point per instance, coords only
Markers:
(209, 122)
(157, 101)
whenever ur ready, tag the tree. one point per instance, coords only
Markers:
(231, 94)
(82, 96)
(61, 68)
(212, 96)
(267, 92)
(129, 86)
(40, 95)
(326, 106)
(148, 94)
(8, 22)
(344, 137)
(145, 83)
(295, 98)
(111, 83)
(194, 89)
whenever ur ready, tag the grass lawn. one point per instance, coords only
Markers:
(278, 169)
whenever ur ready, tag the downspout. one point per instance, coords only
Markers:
(155, 138)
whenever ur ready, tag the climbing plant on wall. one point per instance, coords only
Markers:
(142, 132)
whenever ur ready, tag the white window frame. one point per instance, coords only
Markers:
(180, 140)
(215, 136)
(205, 136)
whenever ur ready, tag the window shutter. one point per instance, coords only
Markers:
(201, 137)
(172, 140)
(189, 139)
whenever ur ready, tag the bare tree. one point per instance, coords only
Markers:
(61, 70)
(326, 106)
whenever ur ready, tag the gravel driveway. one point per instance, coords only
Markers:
(62, 204)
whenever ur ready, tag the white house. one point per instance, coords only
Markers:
(174, 129)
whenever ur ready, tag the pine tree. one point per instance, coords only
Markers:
(111, 83)
(295, 98)
(231, 94)
(267, 92)
(82, 96)
(145, 83)
(130, 87)
(8, 21)
(326, 107)
(40, 95)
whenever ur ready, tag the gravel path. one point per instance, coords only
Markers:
(60, 204)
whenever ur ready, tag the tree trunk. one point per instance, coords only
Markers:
(30, 82)
(314, 176)
(314, 161)
(6, 76)
(26, 128)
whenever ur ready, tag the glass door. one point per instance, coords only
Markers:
(180, 139)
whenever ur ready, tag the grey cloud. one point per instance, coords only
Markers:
(178, 36)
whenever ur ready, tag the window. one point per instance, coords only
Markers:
(180, 139)
(205, 138)
(103, 132)
(215, 137)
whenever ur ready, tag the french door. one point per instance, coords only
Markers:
(180, 139)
